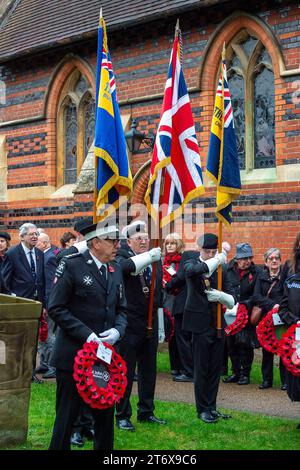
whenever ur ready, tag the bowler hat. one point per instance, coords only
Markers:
(243, 250)
(5, 235)
(208, 240)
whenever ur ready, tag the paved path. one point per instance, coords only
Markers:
(271, 401)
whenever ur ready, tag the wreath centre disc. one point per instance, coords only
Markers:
(99, 384)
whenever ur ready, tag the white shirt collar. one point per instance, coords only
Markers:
(27, 250)
(98, 263)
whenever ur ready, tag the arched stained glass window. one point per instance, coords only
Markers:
(251, 84)
(89, 121)
(70, 143)
(76, 122)
(264, 122)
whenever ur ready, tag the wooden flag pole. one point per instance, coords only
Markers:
(220, 223)
(156, 244)
(157, 240)
(95, 191)
(219, 306)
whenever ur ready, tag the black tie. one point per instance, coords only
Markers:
(32, 265)
(104, 274)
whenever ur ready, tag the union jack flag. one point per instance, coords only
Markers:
(222, 161)
(176, 159)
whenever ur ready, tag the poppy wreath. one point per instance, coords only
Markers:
(240, 321)
(288, 351)
(90, 392)
(266, 334)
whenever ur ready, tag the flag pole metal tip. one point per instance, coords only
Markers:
(223, 51)
(177, 28)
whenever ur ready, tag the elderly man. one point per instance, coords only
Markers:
(87, 304)
(136, 259)
(45, 347)
(23, 270)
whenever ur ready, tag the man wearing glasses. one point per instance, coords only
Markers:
(23, 270)
(136, 347)
(87, 304)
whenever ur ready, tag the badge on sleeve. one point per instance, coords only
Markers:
(60, 269)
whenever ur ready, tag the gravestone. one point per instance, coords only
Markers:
(18, 334)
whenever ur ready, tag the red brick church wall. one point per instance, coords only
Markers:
(266, 214)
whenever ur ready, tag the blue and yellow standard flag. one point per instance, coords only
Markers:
(113, 178)
(222, 160)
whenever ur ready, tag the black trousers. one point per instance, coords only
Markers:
(184, 345)
(267, 368)
(84, 420)
(208, 359)
(175, 362)
(140, 350)
(241, 356)
(68, 404)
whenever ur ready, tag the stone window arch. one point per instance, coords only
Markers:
(251, 84)
(75, 127)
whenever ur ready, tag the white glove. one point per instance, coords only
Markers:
(213, 263)
(161, 327)
(110, 336)
(155, 254)
(143, 260)
(81, 246)
(93, 337)
(215, 295)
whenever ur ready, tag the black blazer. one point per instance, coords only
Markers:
(50, 268)
(81, 302)
(137, 302)
(3, 288)
(200, 314)
(17, 275)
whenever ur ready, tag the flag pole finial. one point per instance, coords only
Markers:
(223, 51)
(177, 28)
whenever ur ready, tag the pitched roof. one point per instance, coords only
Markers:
(32, 25)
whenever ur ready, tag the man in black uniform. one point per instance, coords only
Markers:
(200, 319)
(136, 348)
(87, 304)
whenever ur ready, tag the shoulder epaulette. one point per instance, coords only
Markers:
(72, 255)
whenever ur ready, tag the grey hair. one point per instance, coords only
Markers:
(90, 244)
(270, 251)
(24, 229)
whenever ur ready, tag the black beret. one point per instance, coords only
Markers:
(5, 235)
(208, 241)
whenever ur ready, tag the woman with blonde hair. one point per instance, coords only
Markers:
(179, 340)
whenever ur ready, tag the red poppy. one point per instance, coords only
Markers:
(111, 268)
